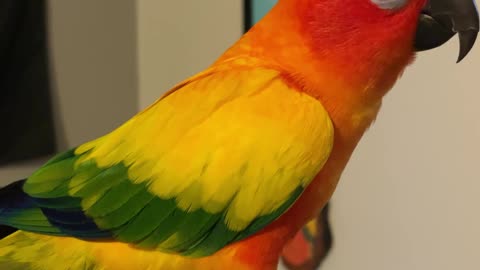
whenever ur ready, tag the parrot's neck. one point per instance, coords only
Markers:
(326, 57)
(350, 80)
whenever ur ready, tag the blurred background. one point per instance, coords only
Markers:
(409, 198)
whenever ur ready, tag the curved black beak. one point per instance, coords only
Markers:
(442, 19)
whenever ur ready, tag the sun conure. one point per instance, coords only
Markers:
(223, 170)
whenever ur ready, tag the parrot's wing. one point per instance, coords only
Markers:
(210, 163)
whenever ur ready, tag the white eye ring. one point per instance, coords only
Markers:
(390, 4)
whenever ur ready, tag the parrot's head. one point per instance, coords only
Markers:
(370, 41)
(415, 25)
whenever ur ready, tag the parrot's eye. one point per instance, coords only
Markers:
(390, 4)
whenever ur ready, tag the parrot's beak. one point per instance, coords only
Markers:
(442, 19)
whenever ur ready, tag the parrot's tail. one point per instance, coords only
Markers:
(28, 251)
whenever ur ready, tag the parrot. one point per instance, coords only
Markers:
(225, 168)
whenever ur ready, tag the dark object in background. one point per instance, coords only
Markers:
(309, 248)
(26, 121)
(6, 231)
(10, 197)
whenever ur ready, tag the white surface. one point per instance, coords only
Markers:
(177, 39)
(93, 54)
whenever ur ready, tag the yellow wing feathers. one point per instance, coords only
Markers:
(234, 140)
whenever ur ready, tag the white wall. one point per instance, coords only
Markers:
(94, 66)
(180, 38)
